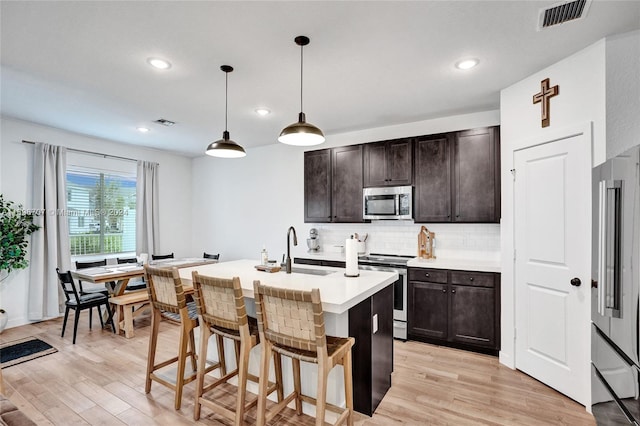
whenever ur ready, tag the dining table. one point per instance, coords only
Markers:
(116, 277)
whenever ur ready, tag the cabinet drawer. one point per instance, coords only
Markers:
(477, 279)
(431, 275)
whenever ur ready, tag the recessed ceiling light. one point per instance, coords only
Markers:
(142, 129)
(158, 63)
(466, 64)
(262, 111)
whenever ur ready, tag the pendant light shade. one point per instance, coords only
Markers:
(225, 147)
(301, 133)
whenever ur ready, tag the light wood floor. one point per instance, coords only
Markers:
(100, 381)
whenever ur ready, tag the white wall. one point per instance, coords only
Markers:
(586, 98)
(241, 204)
(15, 176)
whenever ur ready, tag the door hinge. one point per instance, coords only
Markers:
(515, 333)
(514, 254)
(513, 172)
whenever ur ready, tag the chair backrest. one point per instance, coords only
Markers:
(85, 265)
(165, 289)
(122, 260)
(206, 255)
(220, 301)
(68, 285)
(161, 256)
(290, 317)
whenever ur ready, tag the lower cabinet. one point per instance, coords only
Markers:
(455, 308)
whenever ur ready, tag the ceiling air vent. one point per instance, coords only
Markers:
(560, 13)
(165, 122)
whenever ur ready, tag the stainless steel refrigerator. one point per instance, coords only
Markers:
(615, 288)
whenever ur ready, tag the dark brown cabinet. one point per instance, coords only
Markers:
(371, 324)
(455, 308)
(333, 185)
(432, 194)
(457, 177)
(317, 186)
(388, 163)
(347, 184)
(476, 175)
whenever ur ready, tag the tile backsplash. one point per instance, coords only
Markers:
(452, 240)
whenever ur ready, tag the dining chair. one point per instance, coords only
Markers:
(206, 255)
(161, 256)
(291, 322)
(168, 301)
(222, 311)
(93, 288)
(134, 283)
(79, 302)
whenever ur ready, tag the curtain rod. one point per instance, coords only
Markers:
(91, 153)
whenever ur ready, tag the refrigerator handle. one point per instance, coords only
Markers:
(609, 248)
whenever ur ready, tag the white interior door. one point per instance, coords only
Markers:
(552, 195)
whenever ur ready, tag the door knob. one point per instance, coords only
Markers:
(576, 282)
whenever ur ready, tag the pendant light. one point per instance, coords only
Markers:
(301, 133)
(225, 147)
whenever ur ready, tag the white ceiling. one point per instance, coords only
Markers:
(81, 66)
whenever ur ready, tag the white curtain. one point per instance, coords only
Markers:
(49, 244)
(147, 208)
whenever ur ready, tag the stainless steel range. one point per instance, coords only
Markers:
(392, 263)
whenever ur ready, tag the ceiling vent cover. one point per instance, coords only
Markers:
(165, 122)
(560, 13)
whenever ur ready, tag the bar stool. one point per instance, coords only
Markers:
(168, 301)
(222, 311)
(291, 323)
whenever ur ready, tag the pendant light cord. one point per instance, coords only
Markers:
(226, 98)
(301, 75)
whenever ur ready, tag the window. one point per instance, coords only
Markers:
(101, 211)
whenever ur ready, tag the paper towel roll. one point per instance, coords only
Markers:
(351, 257)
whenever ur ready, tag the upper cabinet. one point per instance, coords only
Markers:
(432, 194)
(347, 184)
(457, 177)
(476, 175)
(317, 186)
(333, 185)
(388, 163)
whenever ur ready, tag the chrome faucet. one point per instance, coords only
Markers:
(295, 243)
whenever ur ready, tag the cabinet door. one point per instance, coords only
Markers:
(347, 184)
(428, 309)
(433, 179)
(317, 186)
(476, 176)
(473, 315)
(375, 164)
(400, 162)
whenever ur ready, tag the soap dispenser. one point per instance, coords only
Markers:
(264, 256)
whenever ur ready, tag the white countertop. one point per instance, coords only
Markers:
(481, 265)
(338, 293)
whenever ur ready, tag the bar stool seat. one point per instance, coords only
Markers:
(291, 323)
(222, 312)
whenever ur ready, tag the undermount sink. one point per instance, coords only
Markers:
(311, 271)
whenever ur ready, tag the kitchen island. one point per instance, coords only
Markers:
(360, 307)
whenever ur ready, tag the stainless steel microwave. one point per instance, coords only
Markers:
(392, 202)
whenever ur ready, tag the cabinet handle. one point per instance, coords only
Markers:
(444, 290)
(470, 278)
(453, 291)
(427, 275)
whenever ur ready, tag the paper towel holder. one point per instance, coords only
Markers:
(350, 250)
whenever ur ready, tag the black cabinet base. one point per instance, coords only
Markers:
(477, 349)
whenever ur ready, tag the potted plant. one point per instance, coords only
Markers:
(16, 225)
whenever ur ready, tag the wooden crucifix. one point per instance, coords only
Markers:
(544, 97)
